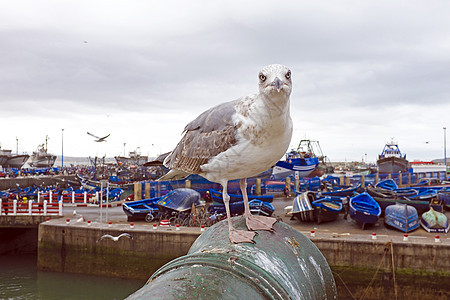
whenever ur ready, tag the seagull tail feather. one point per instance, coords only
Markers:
(174, 175)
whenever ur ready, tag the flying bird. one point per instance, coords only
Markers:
(99, 139)
(237, 140)
(114, 238)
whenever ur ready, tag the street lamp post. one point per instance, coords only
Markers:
(62, 148)
(445, 149)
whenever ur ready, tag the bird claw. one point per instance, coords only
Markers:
(242, 236)
(260, 223)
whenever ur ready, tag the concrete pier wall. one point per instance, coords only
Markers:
(77, 249)
(426, 256)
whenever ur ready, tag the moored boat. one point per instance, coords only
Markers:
(302, 161)
(302, 208)
(141, 209)
(341, 190)
(327, 208)
(134, 159)
(434, 221)
(218, 197)
(16, 161)
(444, 196)
(41, 158)
(391, 160)
(364, 209)
(259, 207)
(402, 217)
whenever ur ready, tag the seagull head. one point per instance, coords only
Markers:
(275, 80)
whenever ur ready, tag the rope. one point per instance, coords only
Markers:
(348, 290)
(386, 249)
(393, 270)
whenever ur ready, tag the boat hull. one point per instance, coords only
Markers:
(433, 221)
(284, 169)
(16, 161)
(364, 209)
(302, 208)
(327, 209)
(43, 162)
(402, 217)
(390, 165)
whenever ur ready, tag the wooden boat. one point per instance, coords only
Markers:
(402, 217)
(381, 192)
(217, 197)
(259, 207)
(302, 208)
(426, 195)
(327, 208)
(434, 221)
(179, 200)
(444, 196)
(388, 184)
(419, 205)
(141, 209)
(236, 208)
(341, 190)
(303, 161)
(364, 209)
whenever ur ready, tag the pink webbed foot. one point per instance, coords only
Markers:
(260, 222)
(242, 236)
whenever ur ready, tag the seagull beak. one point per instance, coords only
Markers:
(277, 83)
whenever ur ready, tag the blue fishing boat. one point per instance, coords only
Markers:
(425, 195)
(218, 197)
(236, 208)
(179, 200)
(444, 196)
(327, 208)
(259, 207)
(406, 192)
(402, 217)
(341, 190)
(388, 184)
(141, 209)
(302, 208)
(303, 160)
(364, 209)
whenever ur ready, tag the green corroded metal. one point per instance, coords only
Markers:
(283, 264)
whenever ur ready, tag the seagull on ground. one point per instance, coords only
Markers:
(114, 238)
(238, 140)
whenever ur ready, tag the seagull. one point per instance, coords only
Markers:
(238, 140)
(99, 139)
(114, 238)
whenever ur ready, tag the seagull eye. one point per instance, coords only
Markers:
(262, 77)
(288, 75)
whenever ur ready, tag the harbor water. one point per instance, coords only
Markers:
(20, 279)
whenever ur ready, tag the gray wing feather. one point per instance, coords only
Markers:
(209, 134)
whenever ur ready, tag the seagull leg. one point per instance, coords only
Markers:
(254, 222)
(236, 236)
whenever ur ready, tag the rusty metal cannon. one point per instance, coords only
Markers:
(283, 264)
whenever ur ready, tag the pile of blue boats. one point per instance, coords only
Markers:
(401, 207)
(67, 195)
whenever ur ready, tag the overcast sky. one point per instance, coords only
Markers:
(363, 72)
